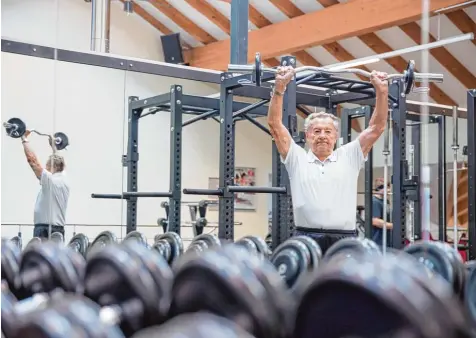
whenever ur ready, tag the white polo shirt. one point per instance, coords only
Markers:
(324, 193)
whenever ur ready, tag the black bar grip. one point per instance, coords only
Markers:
(109, 196)
(213, 192)
(263, 190)
(147, 194)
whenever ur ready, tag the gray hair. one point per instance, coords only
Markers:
(57, 162)
(320, 116)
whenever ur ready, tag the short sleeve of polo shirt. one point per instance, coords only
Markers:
(295, 155)
(354, 154)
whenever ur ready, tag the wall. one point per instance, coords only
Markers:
(89, 104)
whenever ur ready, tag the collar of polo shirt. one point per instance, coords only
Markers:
(312, 158)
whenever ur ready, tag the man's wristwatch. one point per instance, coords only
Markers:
(276, 92)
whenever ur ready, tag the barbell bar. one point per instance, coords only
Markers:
(409, 76)
(16, 128)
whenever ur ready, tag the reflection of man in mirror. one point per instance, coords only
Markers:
(52, 199)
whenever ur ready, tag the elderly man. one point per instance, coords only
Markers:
(52, 200)
(324, 180)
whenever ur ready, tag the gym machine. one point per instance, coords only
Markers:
(177, 104)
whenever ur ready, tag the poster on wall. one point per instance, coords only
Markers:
(244, 177)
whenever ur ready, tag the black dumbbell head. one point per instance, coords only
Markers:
(15, 127)
(79, 243)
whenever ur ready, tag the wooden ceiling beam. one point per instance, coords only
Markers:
(374, 42)
(181, 20)
(463, 22)
(354, 17)
(443, 56)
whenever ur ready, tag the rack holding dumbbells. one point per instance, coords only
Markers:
(130, 289)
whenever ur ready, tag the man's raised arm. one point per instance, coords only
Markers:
(31, 157)
(378, 121)
(280, 134)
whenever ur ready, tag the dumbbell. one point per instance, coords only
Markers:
(169, 245)
(203, 242)
(102, 240)
(10, 262)
(136, 236)
(441, 259)
(381, 296)
(256, 245)
(80, 244)
(196, 325)
(236, 284)
(42, 269)
(15, 127)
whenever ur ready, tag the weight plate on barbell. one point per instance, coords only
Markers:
(102, 240)
(211, 282)
(292, 259)
(409, 77)
(79, 243)
(61, 140)
(16, 127)
(135, 236)
(350, 246)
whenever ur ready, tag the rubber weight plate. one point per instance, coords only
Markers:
(174, 242)
(44, 268)
(314, 250)
(255, 244)
(197, 247)
(102, 240)
(34, 241)
(292, 259)
(470, 291)
(210, 282)
(433, 257)
(80, 244)
(210, 240)
(374, 296)
(136, 236)
(457, 265)
(279, 300)
(118, 276)
(352, 246)
(84, 313)
(446, 309)
(195, 325)
(10, 263)
(163, 248)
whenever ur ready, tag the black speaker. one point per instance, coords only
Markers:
(172, 48)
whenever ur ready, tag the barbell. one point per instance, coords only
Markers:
(16, 128)
(408, 77)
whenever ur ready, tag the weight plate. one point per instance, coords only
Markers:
(49, 323)
(292, 259)
(57, 237)
(136, 236)
(314, 249)
(379, 298)
(409, 77)
(10, 263)
(9, 317)
(116, 276)
(248, 244)
(16, 240)
(280, 302)
(457, 265)
(197, 247)
(63, 140)
(161, 273)
(84, 313)
(175, 243)
(261, 246)
(79, 243)
(352, 246)
(102, 240)
(210, 282)
(447, 309)
(44, 268)
(212, 241)
(163, 248)
(470, 291)
(196, 325)
(433, 257)
(16, 129)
